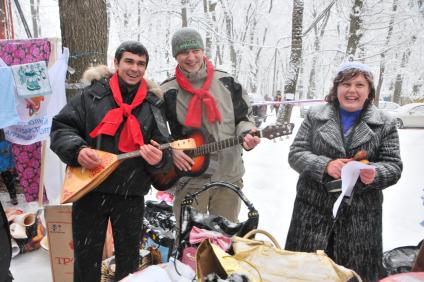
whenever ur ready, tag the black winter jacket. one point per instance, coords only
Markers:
(71, 128)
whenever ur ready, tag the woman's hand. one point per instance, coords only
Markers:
(151, 153)
(367, 175)
(334, 167)
(181, 160)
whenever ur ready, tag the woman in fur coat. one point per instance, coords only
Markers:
(328, 138)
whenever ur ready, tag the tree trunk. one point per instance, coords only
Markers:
(139, 20)
(284, 113)
(355, 32)
(300, 88)
(218, 55)
(254, 82)
(84, 32)
(209, 10)
(229, 31)
(397, 93)
(383, 54)
(35, 15)
(22, 16)
(311, 94)
(108, 14)
(3, 21)
(168, 54)
(256, 39)
(184, 13)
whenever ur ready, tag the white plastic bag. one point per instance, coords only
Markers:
(178, 271)
(153, 273)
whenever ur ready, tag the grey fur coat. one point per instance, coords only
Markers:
(354, 240)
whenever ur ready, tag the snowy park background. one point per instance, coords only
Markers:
(251, 39)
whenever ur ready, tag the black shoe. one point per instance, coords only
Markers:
(14, 200)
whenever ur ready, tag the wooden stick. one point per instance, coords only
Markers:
(41, 184)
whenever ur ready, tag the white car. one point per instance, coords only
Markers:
(387, 106)
(409, 115)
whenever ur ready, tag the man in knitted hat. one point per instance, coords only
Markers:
(201, 97)
(113, 114)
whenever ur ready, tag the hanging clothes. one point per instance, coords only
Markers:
(6, 158)
(8, 113)
(52, 164)
(27, 157)
(32, 85)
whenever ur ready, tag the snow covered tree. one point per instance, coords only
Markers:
(383, 53)
(35, 15)
(284, 113)
(319, 31)
(355, 28)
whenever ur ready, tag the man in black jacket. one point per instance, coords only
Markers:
(119, 114)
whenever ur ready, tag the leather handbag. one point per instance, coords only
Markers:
(190, 218)
(266, 261)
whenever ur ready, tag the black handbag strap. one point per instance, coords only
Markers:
(189, 198)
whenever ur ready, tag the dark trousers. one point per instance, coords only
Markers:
(8, 180)
(5, 248)
(90, 217)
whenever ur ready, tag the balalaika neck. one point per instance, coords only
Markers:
(136, 153)
(217, 146)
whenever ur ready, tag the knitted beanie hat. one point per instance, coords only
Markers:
(354, 65)
(184, 39)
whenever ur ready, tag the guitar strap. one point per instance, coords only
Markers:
(160, 121)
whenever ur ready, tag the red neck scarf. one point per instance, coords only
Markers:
(131, 137)
(202, 95)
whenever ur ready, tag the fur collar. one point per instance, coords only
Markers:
(98, 72)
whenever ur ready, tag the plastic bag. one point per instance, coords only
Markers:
(159, 228)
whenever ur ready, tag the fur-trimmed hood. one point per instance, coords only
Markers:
(98, 72)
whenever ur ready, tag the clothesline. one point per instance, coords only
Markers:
(261, 103)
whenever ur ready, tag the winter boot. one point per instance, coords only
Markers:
(9, 181)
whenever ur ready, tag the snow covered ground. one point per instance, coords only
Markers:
(270, 185)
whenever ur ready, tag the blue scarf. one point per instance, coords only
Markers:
(348, 119)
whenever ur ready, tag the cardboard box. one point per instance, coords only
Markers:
(61, 247)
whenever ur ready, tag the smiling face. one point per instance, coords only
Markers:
(131, 67)
(191, 60)
(353, 93)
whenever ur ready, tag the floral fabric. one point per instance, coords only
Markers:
(28, 160)
(15, 52)
(27, 157)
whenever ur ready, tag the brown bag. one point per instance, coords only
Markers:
(266, 261)
(212, 259)
(419, 261)
(207, 262)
